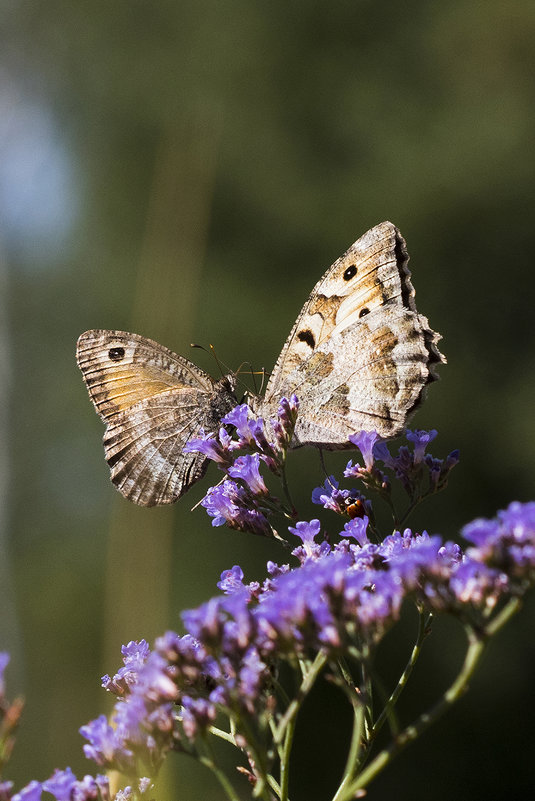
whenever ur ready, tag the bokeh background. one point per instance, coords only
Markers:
(188, 170)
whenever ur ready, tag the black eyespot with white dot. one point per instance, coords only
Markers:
(350, 272)
(116, 354)
(363, 312)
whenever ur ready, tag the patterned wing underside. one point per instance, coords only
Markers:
(138, 368)
(371, 273)
(367, 377)
(153, 402)
(359, 356)
(144, 447)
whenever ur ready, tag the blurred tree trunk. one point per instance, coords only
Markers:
(168, 287)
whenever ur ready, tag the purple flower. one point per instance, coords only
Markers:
(348, 502)
(154, 682)
(250, 431)
(222, 624)
(439, 469)
(247, 468)
(60, 784)
(126, 794)
(273, 569)
(216, 449)
(106, 747)
(252, 674)
(356, 528)
(369, 445)
(382, 454)
(476, 583)
(231, 580)
(506, 542)
(365, 442)
(232, 505)
(168, 645)
(239, 418)
(283, 427)
(329, 496)
(32, 792)
(196, 715)
(130, 718)
(134, 656)
(519, 520)
(91, 788)
(307, 532)
(421, 440)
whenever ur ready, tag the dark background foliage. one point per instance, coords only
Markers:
(187, 171)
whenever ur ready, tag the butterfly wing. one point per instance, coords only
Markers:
(359, 355)
(152, 401)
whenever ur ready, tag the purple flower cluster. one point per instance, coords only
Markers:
(242, 501)
(506, 543)
(271, 440)
(64, 786)
(419, 473)
(337, 598)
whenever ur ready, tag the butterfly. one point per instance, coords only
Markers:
(358, 357)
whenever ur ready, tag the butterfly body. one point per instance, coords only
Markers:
(358, 357)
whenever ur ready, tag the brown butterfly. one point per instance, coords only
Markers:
(358, 357)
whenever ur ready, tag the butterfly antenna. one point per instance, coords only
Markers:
(261, 372)
(252, 373)
(223, 368)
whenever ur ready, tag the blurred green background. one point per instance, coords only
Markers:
(188, 171)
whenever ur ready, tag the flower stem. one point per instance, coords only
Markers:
(256, 754)
(423, 630)
(209, 761)
(306, 685)
(354, 748)
(476, 647)
(223, 735)
(285, 759)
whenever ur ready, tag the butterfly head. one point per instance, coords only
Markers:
(227, 383)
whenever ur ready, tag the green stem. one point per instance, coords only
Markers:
(306, 685)
(503, 616)
(223, 735)
(476, 648)
(209, 762)
(355, 747)
(259, 767)
(423, 630)
(275, 786)
(285, 759)
(229, 738)
(367, 697)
